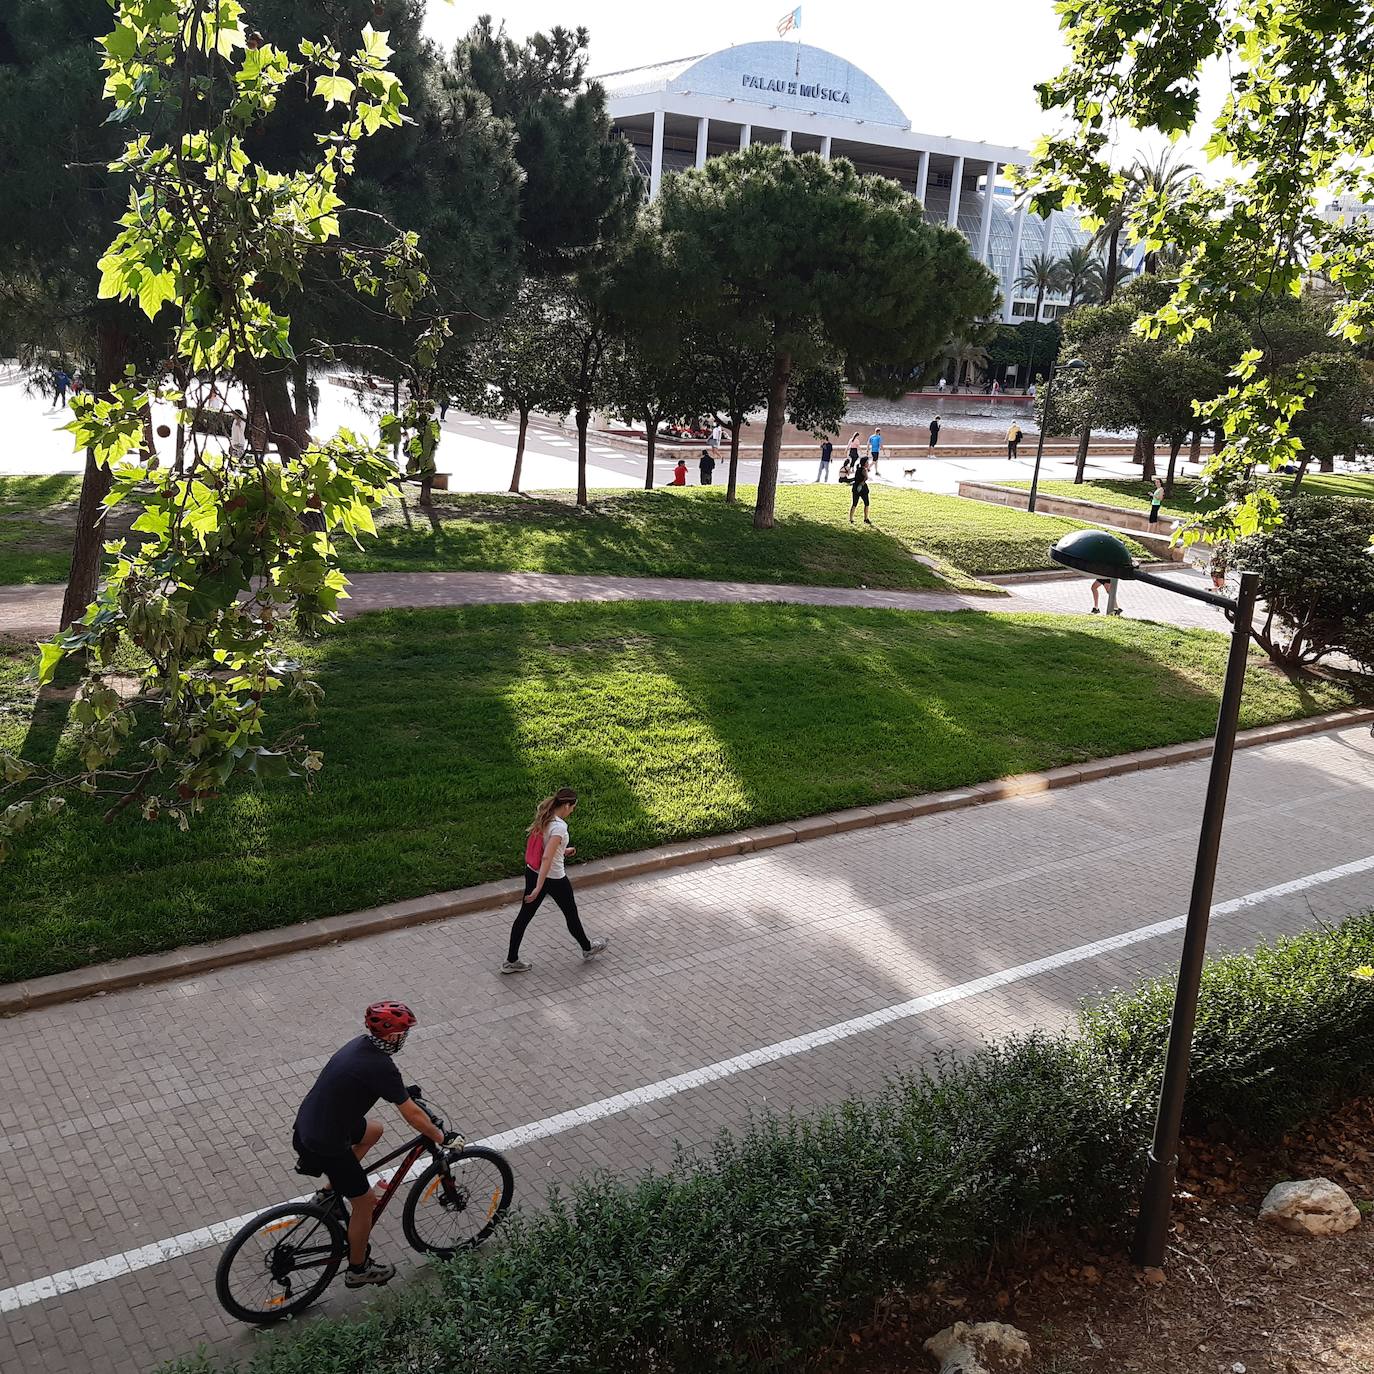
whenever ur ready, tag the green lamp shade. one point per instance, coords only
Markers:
(1094, 552)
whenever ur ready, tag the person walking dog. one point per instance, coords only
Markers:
(545, 853)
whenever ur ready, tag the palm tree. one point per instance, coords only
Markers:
(1040, 274)
(966, 354)
(1165, 176)
(1081, 270)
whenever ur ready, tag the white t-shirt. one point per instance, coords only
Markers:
(557, 830)
(715, 436)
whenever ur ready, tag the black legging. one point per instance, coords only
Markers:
(560, 889)
(860, 494)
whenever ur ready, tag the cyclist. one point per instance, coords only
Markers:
(333, 1132)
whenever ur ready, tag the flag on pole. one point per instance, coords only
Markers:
(791, 20)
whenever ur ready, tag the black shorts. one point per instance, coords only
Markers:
(860, 494)
(344, 1171)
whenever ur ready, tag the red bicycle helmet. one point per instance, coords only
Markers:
(388, 1019)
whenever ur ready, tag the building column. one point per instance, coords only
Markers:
(956, 186)
(1014, 263)
(703, 132)
(656, 156)
(985, 227)
(746, 133)
(787, 138)
(825, 147)
(922, 176)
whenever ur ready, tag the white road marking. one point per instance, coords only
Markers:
(188, 1242)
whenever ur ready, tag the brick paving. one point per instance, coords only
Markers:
(144, 1114)
(32, 611)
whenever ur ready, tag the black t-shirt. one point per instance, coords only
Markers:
(706, 462)
(346, 1090)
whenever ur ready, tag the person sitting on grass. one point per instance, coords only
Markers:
(680, 472)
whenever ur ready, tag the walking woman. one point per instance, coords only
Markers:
(854, 449)
(544, 876)
(860, 491)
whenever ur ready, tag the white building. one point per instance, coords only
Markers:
(677, 114)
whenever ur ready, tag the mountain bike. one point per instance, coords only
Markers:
(284, 1259)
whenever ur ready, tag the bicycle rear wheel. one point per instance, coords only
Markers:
(457, 1209)
(280, 1262)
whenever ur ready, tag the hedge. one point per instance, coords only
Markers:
(754, 1253)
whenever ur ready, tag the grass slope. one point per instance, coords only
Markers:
(684, 532)
(441, 728)
(1134, 493)
(36, 519)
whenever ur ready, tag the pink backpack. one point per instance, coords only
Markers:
(534, 850)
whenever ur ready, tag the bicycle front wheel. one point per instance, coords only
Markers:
(280, 1262)
(457, 1208)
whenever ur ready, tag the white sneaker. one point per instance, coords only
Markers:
(516, 966)
(597, 947)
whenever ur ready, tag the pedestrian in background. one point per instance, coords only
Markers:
(934, 430)
(1156, 500)
(706, 465)
(875, 450)
(1013, 439)
(823, 472)
(546, 852)
(860, 491)
(312, 399)
(60, 383)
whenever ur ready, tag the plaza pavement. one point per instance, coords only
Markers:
(135, 1119)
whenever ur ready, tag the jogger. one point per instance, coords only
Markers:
(545, 876)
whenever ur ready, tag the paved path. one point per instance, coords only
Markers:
(151, 1114)
(32, 611)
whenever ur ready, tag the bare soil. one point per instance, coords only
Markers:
(1237, 1297)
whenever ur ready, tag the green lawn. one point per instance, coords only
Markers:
(1134, 493)
(36, 519)
(687, 532)
(441, 728)
(691, 532)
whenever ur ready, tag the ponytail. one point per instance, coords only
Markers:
(543, 813)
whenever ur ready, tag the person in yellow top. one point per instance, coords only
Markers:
(1013, 439)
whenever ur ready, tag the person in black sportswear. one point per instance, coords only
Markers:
(333, 1132)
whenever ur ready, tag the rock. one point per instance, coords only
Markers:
(981, 1348)
(1310, 1207)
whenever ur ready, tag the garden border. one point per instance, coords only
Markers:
(98, 979)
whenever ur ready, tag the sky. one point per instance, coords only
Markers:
(963, 69)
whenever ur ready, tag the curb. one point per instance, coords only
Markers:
(99, 979)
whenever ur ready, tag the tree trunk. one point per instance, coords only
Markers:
(1113, 266)
(1302, 470)
(772, 441)
(274, 418)
(1147, 454)
(1327, 464)
(112, 350)
(149, 446)
(300, 387)
(735, 422)
(1138, 454)
(1218, 439)
(1195, 452)
(650, 443)
(583, 416)
(520, 450)
(1085, 436)
(1175, 443)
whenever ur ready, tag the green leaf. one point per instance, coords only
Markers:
(334, 89)
(49, 656)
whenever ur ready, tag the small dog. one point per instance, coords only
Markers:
(908, 472)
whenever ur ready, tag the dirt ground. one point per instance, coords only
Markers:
(1236, 1297)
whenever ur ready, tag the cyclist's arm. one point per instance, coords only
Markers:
(415, 1116)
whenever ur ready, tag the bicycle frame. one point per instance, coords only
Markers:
(412, 1150)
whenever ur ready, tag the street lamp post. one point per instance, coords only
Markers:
(1099, 554)
(1073, 365)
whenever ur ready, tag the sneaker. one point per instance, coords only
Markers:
(1094, 611)
(516, 966)
(597, 947)
(373, 1271)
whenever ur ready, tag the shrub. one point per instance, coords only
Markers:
(749, 1256)
(1280, 1033)
(1317, 578)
